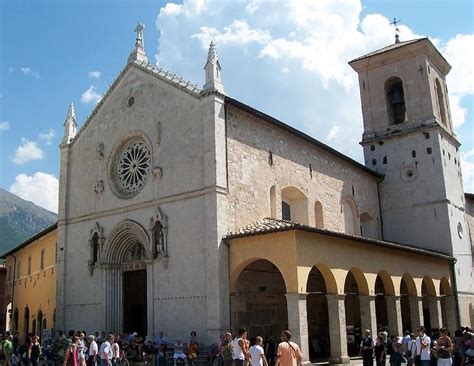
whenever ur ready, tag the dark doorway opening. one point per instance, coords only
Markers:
(134, 302)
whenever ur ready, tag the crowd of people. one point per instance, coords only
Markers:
(438, 349)
(78, 348)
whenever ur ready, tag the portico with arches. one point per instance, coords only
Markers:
(329, 298)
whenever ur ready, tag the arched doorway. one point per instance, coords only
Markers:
(381, 303)
(353, 321)
(445, 294)
(428, 294)
(27, 322)
(15, 320)
(407, 290)
(258, 302)
(318, 316)
(125, 259)
(40, 323)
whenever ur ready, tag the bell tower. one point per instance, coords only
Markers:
(408, 136)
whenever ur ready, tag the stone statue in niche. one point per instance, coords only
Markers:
(159, 232)
(158, 239)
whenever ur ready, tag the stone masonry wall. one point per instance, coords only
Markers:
(329, 179)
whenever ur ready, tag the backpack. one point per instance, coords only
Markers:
(35, 351)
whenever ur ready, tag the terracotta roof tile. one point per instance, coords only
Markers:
(269, 225)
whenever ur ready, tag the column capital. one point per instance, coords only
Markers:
(369, 297)
(298, 296)
(335, 297)
(393, 297)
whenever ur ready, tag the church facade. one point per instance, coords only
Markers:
(183, 209)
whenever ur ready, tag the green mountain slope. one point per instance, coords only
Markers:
(20, 219)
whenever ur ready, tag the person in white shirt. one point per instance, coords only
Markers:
(93, 351)
(423, 347)
(105, 352)
(257, 355)
(115, 351)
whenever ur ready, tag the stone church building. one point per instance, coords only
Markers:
(181, 208)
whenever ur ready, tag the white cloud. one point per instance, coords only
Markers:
(4, 125)
(47, 137)
(467, 166)
(28, 72)
(94, 74)
(41, 189)
(90, 95)
(239, 32)
(259, 43)
(459, 51)
(27, 151)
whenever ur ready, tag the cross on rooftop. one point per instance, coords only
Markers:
(394, 23)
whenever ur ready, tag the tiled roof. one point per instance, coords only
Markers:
(389, 48)
(269, 225)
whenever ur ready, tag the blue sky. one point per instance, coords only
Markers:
(57, 52)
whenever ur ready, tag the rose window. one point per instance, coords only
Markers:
(130, 166)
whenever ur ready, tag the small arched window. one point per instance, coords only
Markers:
(285, 211)
(318, 215)
(294, 205)
(441, 106)
(395, 97)
(349, 211)
(273, 208)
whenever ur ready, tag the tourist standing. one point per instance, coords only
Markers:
(367, 348)
(226, 350)
(380, 351)
(35, 350)
(115, 351)
(423, 352)
(105, 352)
(71, 357)
(93, 351)
(444, 346)
(239, 347)
(257, 355)
(8, 349)
(81, 349)
(288, 352)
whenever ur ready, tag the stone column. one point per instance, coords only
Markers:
(368, 318)
(434, 304)
(298, 322)
(337, 329)
(394, 315)
(451, 314)
(416, 311)
(150, 283)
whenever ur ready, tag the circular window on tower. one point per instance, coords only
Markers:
(460, 231)
(130, 166)
(408, 174)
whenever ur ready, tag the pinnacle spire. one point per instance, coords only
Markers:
(213, 71)
(138, 53)
(70, 125)
(71, 113)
